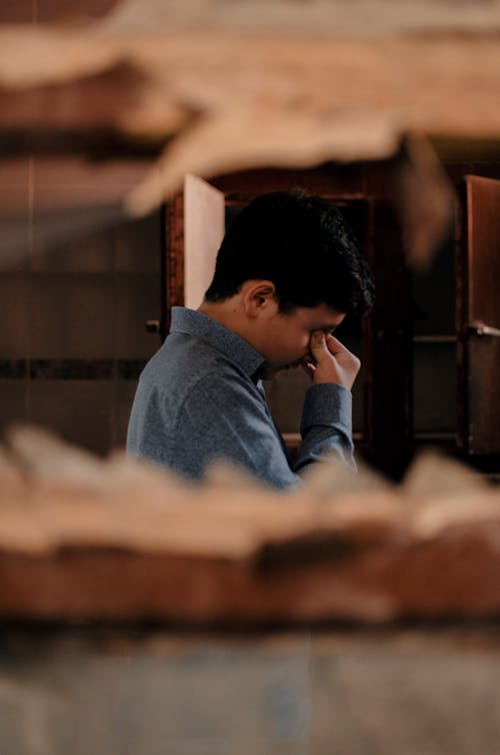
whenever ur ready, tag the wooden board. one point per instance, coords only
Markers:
(483, 306)
(204, 227)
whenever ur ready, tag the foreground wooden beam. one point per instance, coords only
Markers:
(83, 539)
(228, 99)
(206, 94)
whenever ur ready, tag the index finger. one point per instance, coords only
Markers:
(334, 345)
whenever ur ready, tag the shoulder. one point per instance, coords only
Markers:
(221, 397)
(181, 361)
(222, 383)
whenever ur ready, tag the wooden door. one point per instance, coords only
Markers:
(481, 322)
(204, 227)
(194, 226)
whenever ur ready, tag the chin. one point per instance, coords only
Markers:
(273, 369)
(288, 366)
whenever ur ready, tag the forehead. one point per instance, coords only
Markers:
(319, 317)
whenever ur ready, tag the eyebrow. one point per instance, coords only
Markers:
(326, 328)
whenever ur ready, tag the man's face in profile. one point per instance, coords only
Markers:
(286, 337)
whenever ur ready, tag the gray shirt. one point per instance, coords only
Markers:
(200, 398)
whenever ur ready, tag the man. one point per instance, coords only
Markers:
(287, 273)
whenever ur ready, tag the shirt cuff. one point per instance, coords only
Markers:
(327, 404)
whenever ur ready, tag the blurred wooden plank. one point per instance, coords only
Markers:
(61, 12)
(440, 84)
(322, 17)
(90, 540)
(483, 307)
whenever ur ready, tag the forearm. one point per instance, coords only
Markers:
(326, 425)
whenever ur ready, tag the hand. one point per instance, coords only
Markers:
(330, 361)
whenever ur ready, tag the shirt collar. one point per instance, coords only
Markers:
(229, 343)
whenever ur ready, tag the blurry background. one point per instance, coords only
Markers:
(85, 289)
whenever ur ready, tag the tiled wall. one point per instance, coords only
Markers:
(73, 299)
(73, 336)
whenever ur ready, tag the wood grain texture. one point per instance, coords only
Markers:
(85, 539)
(230, 98)
(483, 306)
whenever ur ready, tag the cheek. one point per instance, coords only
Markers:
(302, 342)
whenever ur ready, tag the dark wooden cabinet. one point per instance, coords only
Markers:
(427, 378)
(479, 318)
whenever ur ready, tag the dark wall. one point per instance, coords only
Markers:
(73, 336)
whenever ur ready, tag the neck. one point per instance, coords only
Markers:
(227, 312)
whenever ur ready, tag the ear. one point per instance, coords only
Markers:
(259, 297)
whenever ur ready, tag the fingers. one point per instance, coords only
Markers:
(334, 345)
(334, 363)
(340, 352)
(318, 345)
(308, 367)
(325, 345)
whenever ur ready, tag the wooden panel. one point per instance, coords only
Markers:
(387, 348)
(173, 263)
(73, 11)
(328, 180)
(204, 225)
(483, 306)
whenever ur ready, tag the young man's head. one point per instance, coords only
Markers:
(303, 245)
(288, 265)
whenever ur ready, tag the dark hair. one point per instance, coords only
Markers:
(303, 245)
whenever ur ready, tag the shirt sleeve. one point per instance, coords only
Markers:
(227, 417)
(326, 425)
